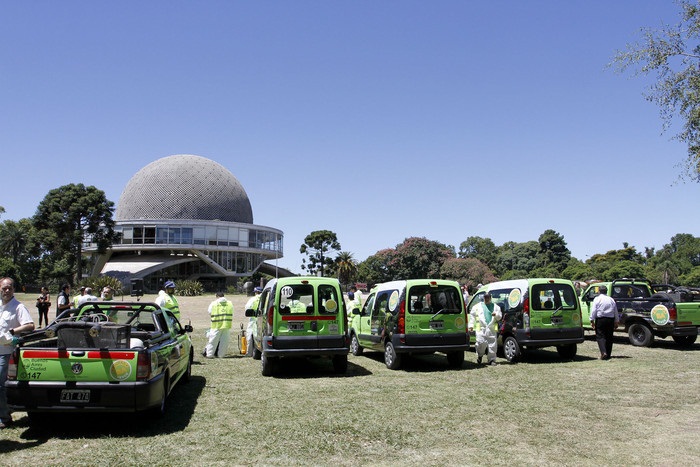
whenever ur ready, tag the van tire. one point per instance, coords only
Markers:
(568, 351)
(455, 359)
(640, 335)
(340, 363)
(685, 341)
(512, 350)
(392, 360)
(268, 365)
(355, 346)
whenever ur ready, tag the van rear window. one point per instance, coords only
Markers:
(553, 296)
(297, 299)
(424, 299)
(301, 299)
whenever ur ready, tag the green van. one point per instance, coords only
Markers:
(536, 313)
(300, 316)
(411, 317)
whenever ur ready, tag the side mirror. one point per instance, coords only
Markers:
(250, 312)
(355, 311)
(188, 328)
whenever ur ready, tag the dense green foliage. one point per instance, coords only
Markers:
(65, 218)
(187, 288)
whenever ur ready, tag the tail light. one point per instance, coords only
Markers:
(402, 317)
(673, 316)
(143, 367)
(526, 314)
(270, 314)
(12, 366)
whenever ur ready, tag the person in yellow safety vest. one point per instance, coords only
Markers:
(166, 299)
(296, 306)
(76, 299)
(221, 312)
(252, 304)
(484, 318)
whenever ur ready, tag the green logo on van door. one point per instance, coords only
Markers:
(514, 298)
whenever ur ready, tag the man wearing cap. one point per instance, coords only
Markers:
(221, 312)
(252, 304)
(76, 299)
(166, 299)
(604, 320)
(483, 319)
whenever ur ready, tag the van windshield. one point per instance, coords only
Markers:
(425, 299)
(553, 297)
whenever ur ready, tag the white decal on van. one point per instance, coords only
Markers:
(394, 301)
(514, 298)
(287, 292)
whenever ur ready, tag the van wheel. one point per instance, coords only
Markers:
(567, 352)
(355, 346)
(511, 349)
(685, 341)
(640, 335)
(268, 365)
(340, 363)
(256, 353)
(391, 358)
(455, 359)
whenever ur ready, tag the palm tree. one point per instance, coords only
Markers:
(346, 267)
(13, 239)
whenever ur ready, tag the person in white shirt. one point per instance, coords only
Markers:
(604, 319)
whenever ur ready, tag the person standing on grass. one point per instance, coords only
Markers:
(63, 302)
(356, 301)
(43, 303)
(14, 320)
(483, 319)
(604, 320)
(252, 304)
(221, 312)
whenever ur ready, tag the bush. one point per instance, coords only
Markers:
(189, 288)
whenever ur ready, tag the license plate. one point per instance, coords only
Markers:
(437, 325)
(294, 326)
(75, 395)
(557, 320)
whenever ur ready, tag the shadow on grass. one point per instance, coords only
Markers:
(180, 406)
(426, 363)
(300, 367)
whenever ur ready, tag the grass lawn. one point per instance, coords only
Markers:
(641, 407)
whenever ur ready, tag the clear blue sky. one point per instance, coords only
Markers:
(378, 120)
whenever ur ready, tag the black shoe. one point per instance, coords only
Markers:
(493, 363)
(478, 360)
(6, 423)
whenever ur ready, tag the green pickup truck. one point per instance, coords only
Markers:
(645, 315)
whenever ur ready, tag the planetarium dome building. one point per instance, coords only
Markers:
(186, 217)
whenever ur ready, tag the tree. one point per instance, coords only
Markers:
(319, 245)
(467, 271)
(68, 216)
(418, 257)
(375, 269)
(346, 266)
(13, 239)
(554, 255)
(480, 248)
(673, 54)
(516, 260)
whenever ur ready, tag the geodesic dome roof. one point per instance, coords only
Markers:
(184, 187)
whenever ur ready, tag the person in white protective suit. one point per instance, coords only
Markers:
(484, 318)
(252, 304)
